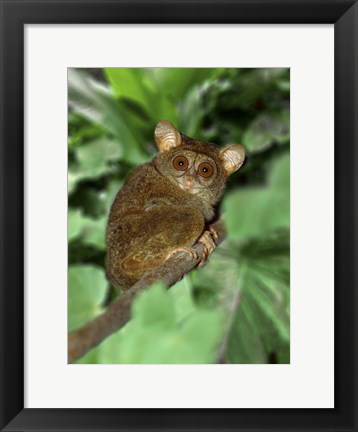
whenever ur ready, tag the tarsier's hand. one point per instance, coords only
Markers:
(207, 239)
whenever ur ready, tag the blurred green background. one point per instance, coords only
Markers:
(237, 308)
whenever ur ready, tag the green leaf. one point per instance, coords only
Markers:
(110, 193)
(90, 231)
(93, 158)
(265, 130)
(154, 307)
(95, 102)
(279, 177)
(261, 328)
(192, 330)
(245, 343)
(94, 232)
(86, 98)
(87, 287)
(81, 130)
(176, 82)
(74, 224)
(182, 299)
(166, 109)
(156, 335)
(131, 83)
(283, 85)
(217, 286)
(253, 90)
(257, 211)
(191, 112)
(255, 272)
(92, 201)
(73, 178)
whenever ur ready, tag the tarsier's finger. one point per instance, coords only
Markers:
(209, 245)
(213, 232)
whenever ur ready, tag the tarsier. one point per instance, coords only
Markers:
(168, 205)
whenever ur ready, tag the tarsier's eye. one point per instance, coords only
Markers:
(180, 163)
(206, 169)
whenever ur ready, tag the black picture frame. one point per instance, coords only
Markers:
(14, 16)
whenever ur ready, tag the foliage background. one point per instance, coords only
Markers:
(237, 308)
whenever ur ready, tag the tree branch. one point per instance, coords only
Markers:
(117, 313)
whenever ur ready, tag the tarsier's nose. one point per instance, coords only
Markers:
(189, 179)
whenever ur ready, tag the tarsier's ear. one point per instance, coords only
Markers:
(166, 136)
(233, 157)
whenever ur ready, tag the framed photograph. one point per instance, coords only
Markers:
(208, 145)
(175, 197)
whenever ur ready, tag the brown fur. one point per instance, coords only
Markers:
(152, 215)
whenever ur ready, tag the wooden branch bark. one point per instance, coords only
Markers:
(117, 313)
